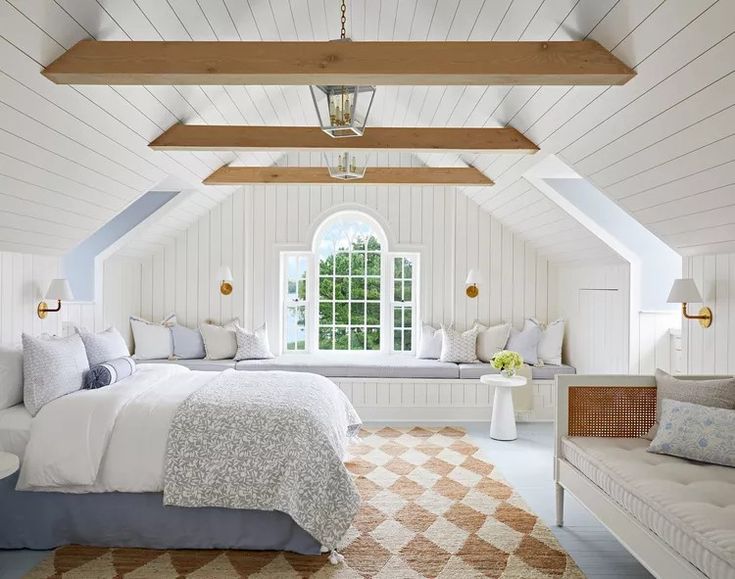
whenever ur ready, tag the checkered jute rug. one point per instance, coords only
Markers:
(432, 507)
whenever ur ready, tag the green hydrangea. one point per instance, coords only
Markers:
(507, 360)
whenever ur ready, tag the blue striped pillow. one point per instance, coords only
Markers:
(109, 372)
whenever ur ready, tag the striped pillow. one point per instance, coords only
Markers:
(109, 373)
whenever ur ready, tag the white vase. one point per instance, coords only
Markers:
(508, 373)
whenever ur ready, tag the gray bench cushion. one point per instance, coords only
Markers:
(198, 364)
(474, 371)
(357, 366)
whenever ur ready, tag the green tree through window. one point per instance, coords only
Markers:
(350, 267)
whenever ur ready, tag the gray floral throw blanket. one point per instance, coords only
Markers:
(266, 441)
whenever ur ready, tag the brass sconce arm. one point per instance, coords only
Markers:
(43, 310)
(704, 316)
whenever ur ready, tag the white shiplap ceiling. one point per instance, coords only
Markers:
(661, 146)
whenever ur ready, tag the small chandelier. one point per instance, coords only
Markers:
(340, 112)
(346, 167)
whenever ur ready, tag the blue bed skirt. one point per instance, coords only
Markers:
(40, 520)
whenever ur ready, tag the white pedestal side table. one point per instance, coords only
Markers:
(503, 423)
(9, 463)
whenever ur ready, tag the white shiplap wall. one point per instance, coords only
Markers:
(24, 279)
(595, 302)
(250, 228)
(711, 350)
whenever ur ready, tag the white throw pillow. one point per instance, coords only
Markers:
(104, 346)
(220, 342)
(11, 376)
(490, 340)
(252, 345)
(430, 344)
(459, 347)
(51, 369)
(550, 343)
(525, 343)
(152, 340)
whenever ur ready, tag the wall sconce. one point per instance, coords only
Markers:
(225, 280)
(58, 290)
(473, 278)
(684, 291)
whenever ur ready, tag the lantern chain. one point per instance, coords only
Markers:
(343, 20)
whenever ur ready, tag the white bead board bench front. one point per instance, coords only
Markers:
(396, 388)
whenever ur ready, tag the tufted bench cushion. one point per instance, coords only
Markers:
(358, 365)
(689, 505)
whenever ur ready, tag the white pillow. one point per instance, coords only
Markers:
(220, 342)
(550, 343)
(52, 369)
(430, 343)
(459, 348)
(11, 376)
(490, 340)
(153, 341)
(252, 345)
(525, 343)
(104, 346)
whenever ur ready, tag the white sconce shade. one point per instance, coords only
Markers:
(59, 289)
(224, 277)
(684, 291)
(473, 278)
(225, 273)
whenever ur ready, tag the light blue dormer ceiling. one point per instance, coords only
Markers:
(78, 265)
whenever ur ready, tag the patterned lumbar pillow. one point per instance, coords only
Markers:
(188, 343)
(459, 347)
(103, 346)
(696, 432)
(109, 372)
(551, 340)
(430, 344)
(252, 345)
(51, 369)
(714, 393)
(525, 343)
(152, 340)
(220, 342)
(490, 340)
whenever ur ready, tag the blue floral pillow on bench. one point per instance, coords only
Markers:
(696, 432)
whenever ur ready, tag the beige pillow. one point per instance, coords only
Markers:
(713, 393)
(490, 340)
(220, 342)
(459, 347)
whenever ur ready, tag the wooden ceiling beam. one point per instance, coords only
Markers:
(464, 176)
(581, 62)
(273, 138)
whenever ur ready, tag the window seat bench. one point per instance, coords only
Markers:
(367, 366)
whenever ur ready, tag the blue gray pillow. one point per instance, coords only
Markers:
(696, 432)
(109, 373)
(525, 343)
(188, 343)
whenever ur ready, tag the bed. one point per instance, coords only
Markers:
(165, 459)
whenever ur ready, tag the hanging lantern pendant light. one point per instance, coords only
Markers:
(346, 167)
(342, 117)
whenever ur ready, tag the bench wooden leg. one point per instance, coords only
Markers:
(559, 505)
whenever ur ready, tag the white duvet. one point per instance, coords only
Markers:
(110, 439)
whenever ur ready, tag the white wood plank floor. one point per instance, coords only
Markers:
(527, 465)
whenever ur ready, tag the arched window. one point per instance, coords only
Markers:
(350, 293)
